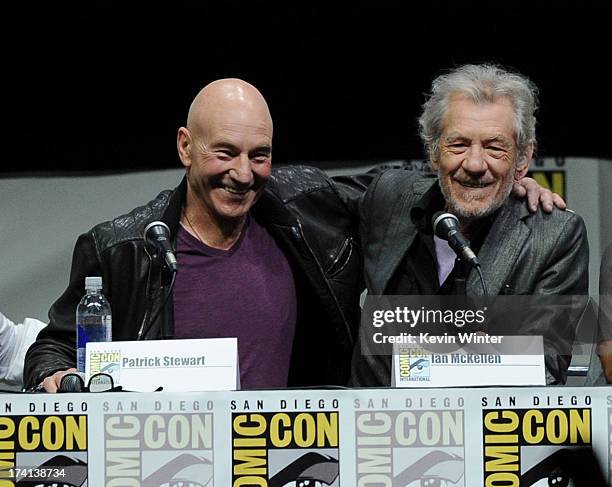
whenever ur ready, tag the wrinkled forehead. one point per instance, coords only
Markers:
(495, 116)
(243, 135)
(250, 119)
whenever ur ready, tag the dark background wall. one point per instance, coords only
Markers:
(104, 87)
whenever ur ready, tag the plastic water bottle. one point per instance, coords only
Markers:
(93, 318)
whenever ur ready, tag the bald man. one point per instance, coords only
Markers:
(270, 261)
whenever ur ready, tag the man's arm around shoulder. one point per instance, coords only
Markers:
(564, 234)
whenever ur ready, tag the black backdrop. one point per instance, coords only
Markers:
(104, 87)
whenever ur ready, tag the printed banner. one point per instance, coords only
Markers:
(454, 437)
(44, 443)
(277, 442)
(166, 444)
(402, 441)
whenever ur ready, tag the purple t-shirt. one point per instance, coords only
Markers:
(247, 292)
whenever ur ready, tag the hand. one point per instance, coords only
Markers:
(52, 383)
(537, 195)
(604, 350)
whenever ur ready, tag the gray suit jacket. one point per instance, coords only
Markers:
(523, 253)
(605, 295)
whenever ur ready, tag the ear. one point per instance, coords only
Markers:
(523, 166)
(183, 145)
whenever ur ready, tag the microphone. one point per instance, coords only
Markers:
(158, 234)
(446, 227)
(73, 382)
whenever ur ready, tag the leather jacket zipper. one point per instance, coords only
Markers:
(322, 272)
(332, 267)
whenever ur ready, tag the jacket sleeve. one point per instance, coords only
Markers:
(352, 188)
(566, 273)
(604, 333)
(567, 266)
(605, 296)
(15, 340)
(55, 348)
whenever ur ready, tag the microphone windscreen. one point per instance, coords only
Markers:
(155, 230)
(71, 383)
(442, 222)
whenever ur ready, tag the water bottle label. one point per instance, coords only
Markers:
(94, 332)
(81, 360)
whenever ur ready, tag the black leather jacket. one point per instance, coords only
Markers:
(311, 219)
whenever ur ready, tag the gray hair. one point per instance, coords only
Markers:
(482, 83)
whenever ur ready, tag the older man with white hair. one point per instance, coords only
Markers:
(478, 128)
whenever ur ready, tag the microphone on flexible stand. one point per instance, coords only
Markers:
(158, 234)
(446, 227)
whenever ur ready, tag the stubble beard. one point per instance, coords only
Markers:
(463, 208)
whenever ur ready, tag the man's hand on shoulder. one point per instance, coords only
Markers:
(52, 383)
(537, 195)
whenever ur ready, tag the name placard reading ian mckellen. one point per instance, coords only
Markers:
(468, 360)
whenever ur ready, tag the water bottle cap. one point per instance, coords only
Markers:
(93, 282)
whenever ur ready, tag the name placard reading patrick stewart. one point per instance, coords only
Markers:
(207, 364)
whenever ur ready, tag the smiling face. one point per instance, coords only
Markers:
(477, 161)
(227, 150)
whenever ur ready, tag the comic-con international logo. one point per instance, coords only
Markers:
(414, 364)
(154, 450)
(108, 362)
(285, 449)
(410, 448)
(42, 451)
(526, 447)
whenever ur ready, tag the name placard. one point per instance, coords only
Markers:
(206, 364)
(474, 360)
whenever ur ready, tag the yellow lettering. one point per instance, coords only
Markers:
(556, 435)
(28, 439)
(327, 430)
(304, 430)
(53, 433)
(504, 458)
(507, 422)
(7, 430)
(502, 479)
(253, 462)
(531, 432)
(76, 433)
(249, 442)
(250, 481)
(581, 425)
(257, 430)
(280, 430)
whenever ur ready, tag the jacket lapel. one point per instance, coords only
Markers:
(398, 238)
(501, 248)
